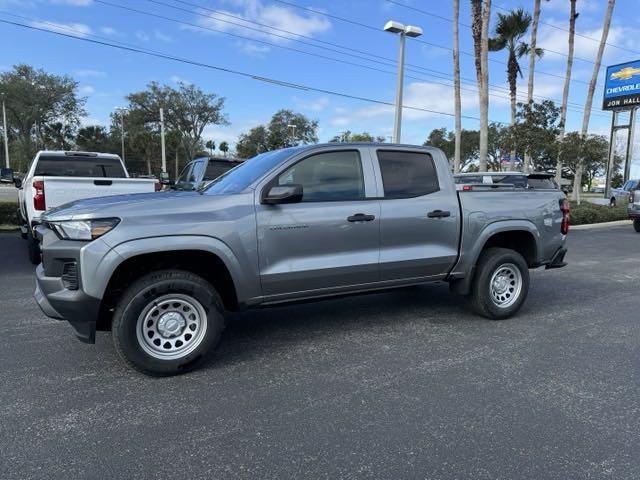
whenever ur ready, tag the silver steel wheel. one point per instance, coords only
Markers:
(505, 285)
(171, 326)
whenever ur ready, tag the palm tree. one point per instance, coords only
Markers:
(456, 86)
(480, 15)
(577, 181)
(532, 66)
(567, 80)
(509, 32)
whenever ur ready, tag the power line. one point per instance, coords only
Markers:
(392, 63)
(450, 20)
(626, 49)
(462, 52)
(198, 63)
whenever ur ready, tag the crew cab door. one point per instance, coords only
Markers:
(329, 240)
(420, 215)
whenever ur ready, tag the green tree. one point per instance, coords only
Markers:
(224, 148)
(445, 140)
(347, 136)
(536, 133)
(510, 30)
(210, 145)
(58, 136)
(96, 138)
(187, 109)
(36, 100)
(279, 133)
(593, 150)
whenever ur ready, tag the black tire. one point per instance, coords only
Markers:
(33, 248)
(149, 294)
(499, 261)
(636, 225)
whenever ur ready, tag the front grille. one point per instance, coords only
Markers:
(70, 275)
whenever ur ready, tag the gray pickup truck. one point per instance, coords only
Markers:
(160, 270)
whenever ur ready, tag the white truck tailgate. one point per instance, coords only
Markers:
(61, 190)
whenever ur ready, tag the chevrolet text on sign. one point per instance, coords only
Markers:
(622, 86)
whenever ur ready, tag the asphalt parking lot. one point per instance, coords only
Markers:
(405, 384)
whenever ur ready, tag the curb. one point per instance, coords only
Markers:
(589, 226)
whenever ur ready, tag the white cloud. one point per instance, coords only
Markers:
(86, 90)
(163, 37)
(140, 35)
(423, 95)
(279, 17)
(109, 31)
(587, 48)
(314, 105)
(73, 3)
(90, 73)
(252, 49)
(178, 79)
(77, 29)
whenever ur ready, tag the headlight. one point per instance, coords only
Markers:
(83, 229)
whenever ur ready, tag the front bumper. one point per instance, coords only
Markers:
(54, 298)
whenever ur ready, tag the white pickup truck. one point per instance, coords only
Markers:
(59, 177)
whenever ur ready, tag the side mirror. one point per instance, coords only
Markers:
(17, 182)
(283, 194)
(165, 180)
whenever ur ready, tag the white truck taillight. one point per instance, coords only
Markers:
(39, 201)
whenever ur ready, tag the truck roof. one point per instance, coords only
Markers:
(73, 153)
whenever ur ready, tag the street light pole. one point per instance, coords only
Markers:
(164, 156)
(293, 132)
(6, 136)
(404, 31)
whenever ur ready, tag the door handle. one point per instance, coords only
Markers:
(361, 217)
(439, 214)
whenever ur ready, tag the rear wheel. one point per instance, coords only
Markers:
(33, 248)
(168, 322)
(636, 225)
(501, 283)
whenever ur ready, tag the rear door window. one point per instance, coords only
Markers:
(216, 168)
(407, 174)
(79, 166)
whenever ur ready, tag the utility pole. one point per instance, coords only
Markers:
(404, 31)
(122, 110)
(293, 132)
(6, 136)
(164, 156)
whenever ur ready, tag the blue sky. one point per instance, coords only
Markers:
(107, 74)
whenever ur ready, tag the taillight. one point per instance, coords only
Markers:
(39, 202)
(564, 208)
(157, 186)
(467, 188)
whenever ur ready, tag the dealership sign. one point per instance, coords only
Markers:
(622, 86)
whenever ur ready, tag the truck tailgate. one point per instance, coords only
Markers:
(61, 190)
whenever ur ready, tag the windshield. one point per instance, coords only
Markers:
(79, 166)
(240, 177)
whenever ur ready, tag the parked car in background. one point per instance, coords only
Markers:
(633, 208)
(621, 195)
(516, 179)
(202, 170)
(301, 223)
(59, 177)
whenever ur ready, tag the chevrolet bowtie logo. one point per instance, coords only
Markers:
(625, 74)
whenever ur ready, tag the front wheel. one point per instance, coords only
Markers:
(500, 284)
(636, 225)
(168, 322)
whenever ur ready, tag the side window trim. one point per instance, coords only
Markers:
(376, 161)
